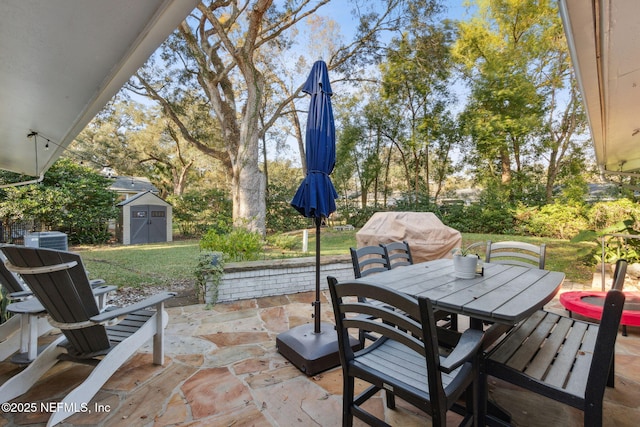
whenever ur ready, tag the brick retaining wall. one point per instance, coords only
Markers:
(255, 279)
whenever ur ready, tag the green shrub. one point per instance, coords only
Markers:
(361, 216)
(554, 220)
(285, 241)
(238, 245)
(195, 212)
(209, 270)
(606, 214)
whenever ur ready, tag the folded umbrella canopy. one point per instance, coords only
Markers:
(315, 350)
(316, 195)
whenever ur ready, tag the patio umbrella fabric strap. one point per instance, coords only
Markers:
(40, 270)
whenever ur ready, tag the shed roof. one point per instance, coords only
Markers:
(132, 184)
(147, 194)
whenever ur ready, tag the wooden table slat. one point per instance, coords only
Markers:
(504, 294)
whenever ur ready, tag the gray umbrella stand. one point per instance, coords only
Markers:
(312, 347)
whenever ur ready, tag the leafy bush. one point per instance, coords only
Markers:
(238, 245)
(281, 216)
(491, 214)
(209, 270)
(607, 214)
(284, 241)
(361, 216)
(616, 247)
(554, 220)
(455, 216)
(197, 211)
(72, 198)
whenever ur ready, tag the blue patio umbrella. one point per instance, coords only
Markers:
(316, 195)
(315, 350)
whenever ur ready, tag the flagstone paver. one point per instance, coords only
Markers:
(222, 368)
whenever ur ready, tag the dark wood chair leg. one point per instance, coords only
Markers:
(347, 401)
(391, 399)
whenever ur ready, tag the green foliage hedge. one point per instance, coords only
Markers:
(239, 244)
(71, 198)
(556, 220)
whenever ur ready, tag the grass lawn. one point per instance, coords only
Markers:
(174, 262)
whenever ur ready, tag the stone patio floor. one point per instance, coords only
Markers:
(222, 369)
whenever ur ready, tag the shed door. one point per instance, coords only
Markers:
(148, 224)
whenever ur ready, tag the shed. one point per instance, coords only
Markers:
(144, 218)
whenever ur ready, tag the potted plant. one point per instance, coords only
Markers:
(465, 262)
(209, 272)
(619, 241)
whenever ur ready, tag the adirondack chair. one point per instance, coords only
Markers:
(19, 334)
(404, 361)
(561, 358)
(21, 331)
(58, 279)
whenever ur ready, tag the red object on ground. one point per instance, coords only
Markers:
(589, 304)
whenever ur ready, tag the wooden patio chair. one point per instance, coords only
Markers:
(516, 253)
(564, 359)
(398, 254)
(19, 334)
(404, 361)
(105, 340)
(368, 260)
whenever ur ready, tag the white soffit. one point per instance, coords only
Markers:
(604, 41)
(61, 61)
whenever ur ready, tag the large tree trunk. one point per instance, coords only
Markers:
(505, 163)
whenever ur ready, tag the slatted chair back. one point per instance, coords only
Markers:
(516, 253)
(59, 281)
(368, 260)
(8, 280)
(404, 360)
(398, 254)
(565, 359)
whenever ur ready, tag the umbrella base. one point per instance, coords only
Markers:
(310, 352)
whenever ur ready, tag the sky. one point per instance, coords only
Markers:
(339, 11)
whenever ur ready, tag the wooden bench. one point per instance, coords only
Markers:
(564, 359)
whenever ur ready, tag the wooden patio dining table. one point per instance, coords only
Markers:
(503, 295)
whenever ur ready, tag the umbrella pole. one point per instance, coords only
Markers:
(317, 301)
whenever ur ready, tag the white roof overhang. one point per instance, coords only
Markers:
(604, 42)
(61, 61)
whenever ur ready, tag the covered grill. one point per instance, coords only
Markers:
(427, 236)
